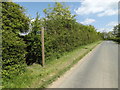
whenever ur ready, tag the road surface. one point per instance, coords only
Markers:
(98, 69)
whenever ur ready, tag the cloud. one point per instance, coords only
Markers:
(101, 29)
(104, 29)
(113, 23)
(99, 7)
(108, 13)
(109, 27)
(32, 20)
(88, 21)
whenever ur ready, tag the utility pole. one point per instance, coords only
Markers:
(42, 39)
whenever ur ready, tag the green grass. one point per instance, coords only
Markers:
(37, 76)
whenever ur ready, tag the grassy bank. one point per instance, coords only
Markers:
(38, 77)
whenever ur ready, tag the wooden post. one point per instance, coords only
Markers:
(42, 37)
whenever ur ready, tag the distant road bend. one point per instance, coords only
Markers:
(98, 69)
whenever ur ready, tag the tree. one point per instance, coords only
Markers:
(116, 31)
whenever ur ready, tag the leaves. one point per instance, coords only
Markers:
(62, 34)
(33, 41)
(13, 47)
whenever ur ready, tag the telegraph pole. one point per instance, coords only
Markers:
(42, 39)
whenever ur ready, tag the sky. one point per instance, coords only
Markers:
(102, 14)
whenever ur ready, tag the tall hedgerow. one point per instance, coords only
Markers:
(63, 32)
(14, 21)
(58, 25)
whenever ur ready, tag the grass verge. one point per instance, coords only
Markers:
(37, 76)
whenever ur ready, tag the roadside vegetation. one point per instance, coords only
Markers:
(66, 41)
(116, 33)
(113, 35)
(38, 77)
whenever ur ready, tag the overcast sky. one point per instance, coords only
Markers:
(103, 14)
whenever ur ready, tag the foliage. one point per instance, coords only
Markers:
(63, 33)
(33, 41)
(38, 77)
(116, 30)
(116, 33)
(13, 47)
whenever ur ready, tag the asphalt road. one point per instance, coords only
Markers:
(98, 69)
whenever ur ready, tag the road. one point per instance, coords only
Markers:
(98, 69)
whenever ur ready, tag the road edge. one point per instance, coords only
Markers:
(72, 67)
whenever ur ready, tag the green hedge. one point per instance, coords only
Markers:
(62, 34)
(13, 47)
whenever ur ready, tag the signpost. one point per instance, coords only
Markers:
(42, 39)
